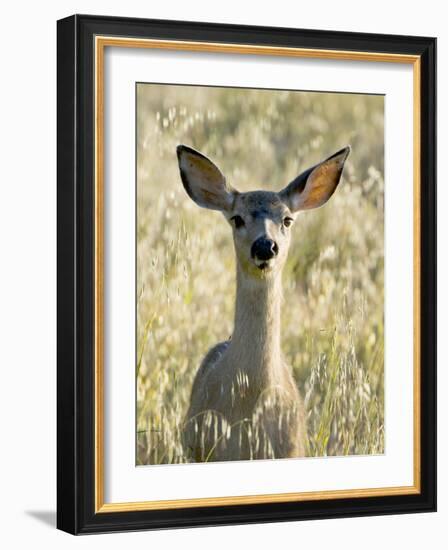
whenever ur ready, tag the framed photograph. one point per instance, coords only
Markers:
(246, 274)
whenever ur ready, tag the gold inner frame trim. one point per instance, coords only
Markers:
(101, 42)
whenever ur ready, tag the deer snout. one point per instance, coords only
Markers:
(264, 249)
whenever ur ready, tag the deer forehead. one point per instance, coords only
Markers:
(260, 204)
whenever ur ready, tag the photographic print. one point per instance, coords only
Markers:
(260, 274)
(246, 274)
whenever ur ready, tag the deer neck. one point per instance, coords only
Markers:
(255, 344)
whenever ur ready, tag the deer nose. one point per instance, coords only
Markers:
(264, 249)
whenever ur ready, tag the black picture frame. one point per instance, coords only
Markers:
(76, 270)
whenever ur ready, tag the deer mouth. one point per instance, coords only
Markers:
(263, 265)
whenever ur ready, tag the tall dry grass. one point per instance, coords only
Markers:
(332, 316)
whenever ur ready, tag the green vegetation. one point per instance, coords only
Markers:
(332, 316)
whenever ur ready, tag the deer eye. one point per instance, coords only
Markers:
(287, 221)
(238, 221)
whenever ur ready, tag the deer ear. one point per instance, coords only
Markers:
(203, 181)
(315, 186)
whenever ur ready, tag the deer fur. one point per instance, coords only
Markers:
(244, 402)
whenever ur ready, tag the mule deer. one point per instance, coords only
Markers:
(244, 402)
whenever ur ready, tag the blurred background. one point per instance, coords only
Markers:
(332, 315)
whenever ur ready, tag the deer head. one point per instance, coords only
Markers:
(261, 220)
